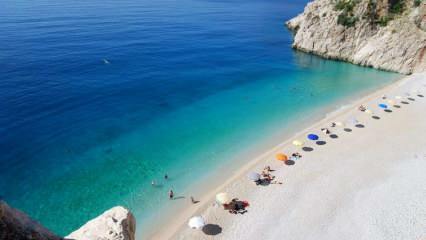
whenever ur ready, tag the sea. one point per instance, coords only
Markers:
(100, 98)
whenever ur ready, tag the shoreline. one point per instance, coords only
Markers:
(178, 224)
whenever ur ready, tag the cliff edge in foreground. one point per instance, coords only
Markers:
(384, 34)
(117, 223)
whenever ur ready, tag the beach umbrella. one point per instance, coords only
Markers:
(382, 105)
(340, 124)
(368, 111)
(196, 222)
(353, 121)
(313, 137)
(222, 198)
(254, 176)
(298, 143)
(281, 157)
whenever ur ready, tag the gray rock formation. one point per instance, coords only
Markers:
(16, 225)
(117, 223)
(365, 33)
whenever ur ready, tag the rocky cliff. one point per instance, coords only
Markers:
(384, 34)
(117, 223)
(16, 225)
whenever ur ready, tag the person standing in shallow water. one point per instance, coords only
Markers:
(171, 194)
(165, 176)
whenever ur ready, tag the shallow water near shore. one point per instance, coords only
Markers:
(97, 99)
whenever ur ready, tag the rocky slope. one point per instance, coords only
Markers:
(117, 223)
(15, 224)
(384, 34)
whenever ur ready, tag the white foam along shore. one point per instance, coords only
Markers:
(368, 183)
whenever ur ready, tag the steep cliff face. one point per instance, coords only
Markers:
(117, 223)
(383, 34)
(15, 224)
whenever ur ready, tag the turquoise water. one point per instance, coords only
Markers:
(189, 85)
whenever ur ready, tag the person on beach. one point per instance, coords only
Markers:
(296, 155)
(333, 124)
(362, 108)
(325, 130)
(267, 169)
(193, 200)
(171, 194)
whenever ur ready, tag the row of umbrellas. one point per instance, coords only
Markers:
(198, 222)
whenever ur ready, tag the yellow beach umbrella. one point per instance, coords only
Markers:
(281, 157)
(298, 143)
(222, 198)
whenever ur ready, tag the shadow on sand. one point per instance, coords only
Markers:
(212, 229)
(307, 149)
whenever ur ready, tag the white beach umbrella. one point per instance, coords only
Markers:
(352, 121)
(222, 198)
(254, 176)
(196, 222)
(398, 97)
(298, 143)
(340, 124)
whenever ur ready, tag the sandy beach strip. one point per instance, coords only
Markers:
(368, 183)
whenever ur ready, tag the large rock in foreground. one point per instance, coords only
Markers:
(117, 223)
(16, 225)
(369, 38)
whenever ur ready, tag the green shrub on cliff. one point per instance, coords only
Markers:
(346, 17)
(397, 7)
(345, 5)
(347, 21)
(417, 3)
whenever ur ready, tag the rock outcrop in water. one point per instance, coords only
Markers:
(384, 34)
(117, 223)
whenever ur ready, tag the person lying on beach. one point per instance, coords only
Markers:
(236, 206)
(362, 108)
(325, 130)
(296, 155)
(333, 124)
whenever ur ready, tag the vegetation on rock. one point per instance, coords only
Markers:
(346, 17)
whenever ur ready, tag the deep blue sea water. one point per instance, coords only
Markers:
(98, 98)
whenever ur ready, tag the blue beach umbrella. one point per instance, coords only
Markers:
(382, 105)
(313, 137)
